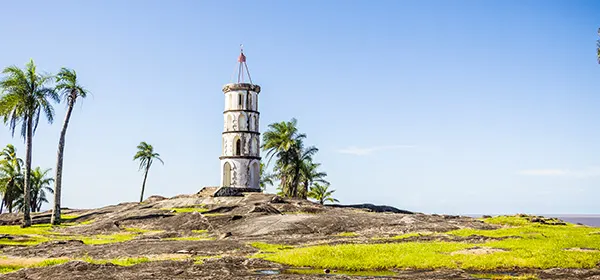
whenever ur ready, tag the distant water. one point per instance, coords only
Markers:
(590, 220)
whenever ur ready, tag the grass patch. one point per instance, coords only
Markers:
(191, 209)
(41, 229)
(68, 216)
(119, 261)
(412, 234)
(10, 264)
(270, 248)
(107, 238)
(506, 277)
(507, 220)
(376, 273)
(87, 222)
(534, 246)
(347, 234)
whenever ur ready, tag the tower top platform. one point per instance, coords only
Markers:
(241, 86)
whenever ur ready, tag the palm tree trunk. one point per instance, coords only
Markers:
(144, 182)
(27, 188)
(59, 165)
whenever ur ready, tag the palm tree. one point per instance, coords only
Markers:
(310, 174)
(282, 141)
(71, 90)
(265, 178)
(301, 157)
(25, 96)
(321, 193)
(40, 184)
(145, 155)
(11, 177)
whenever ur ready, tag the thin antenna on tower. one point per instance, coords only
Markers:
(242, 66)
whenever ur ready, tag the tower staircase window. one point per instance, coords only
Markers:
(238, 147)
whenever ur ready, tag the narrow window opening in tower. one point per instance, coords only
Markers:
(240, 97)
(249, 98)
(238, 147)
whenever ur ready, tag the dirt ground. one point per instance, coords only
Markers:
(232, 223)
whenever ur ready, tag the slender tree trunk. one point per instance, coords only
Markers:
(27, 187)
(59, 165)
(144, 182)
(305, 194)
(2, 204)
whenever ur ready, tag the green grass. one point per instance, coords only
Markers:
(87, 222)
(270, 248)
(107, 238)
(68, 216)
(12, 264)
(41, 229)
(347, 234)
(506, 277)
(411, 234)
(533, 246)
(377, 273)
(507, 220)
(119, 261)
(40, 233)
(193, 208)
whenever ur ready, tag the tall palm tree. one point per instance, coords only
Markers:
(321, 193)
(280, 138)
(301, 157)
(40, 184)
(70, 89)
(146, 156)
(25, 96)
(283, 141)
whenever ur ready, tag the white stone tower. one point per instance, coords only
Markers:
(240, 158)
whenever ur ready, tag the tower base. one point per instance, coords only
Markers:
(231, 191)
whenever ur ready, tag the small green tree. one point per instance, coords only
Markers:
(11, 177)
(40, 184)
(146, 156)
(321, 193)
(266, 179)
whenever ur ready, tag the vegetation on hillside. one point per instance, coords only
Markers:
(294, 166)
(518, 244)
(12, 183)
(26, 95)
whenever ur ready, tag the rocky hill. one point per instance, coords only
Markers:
(203, 237)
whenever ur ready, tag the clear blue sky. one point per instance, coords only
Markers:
(432, 106)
